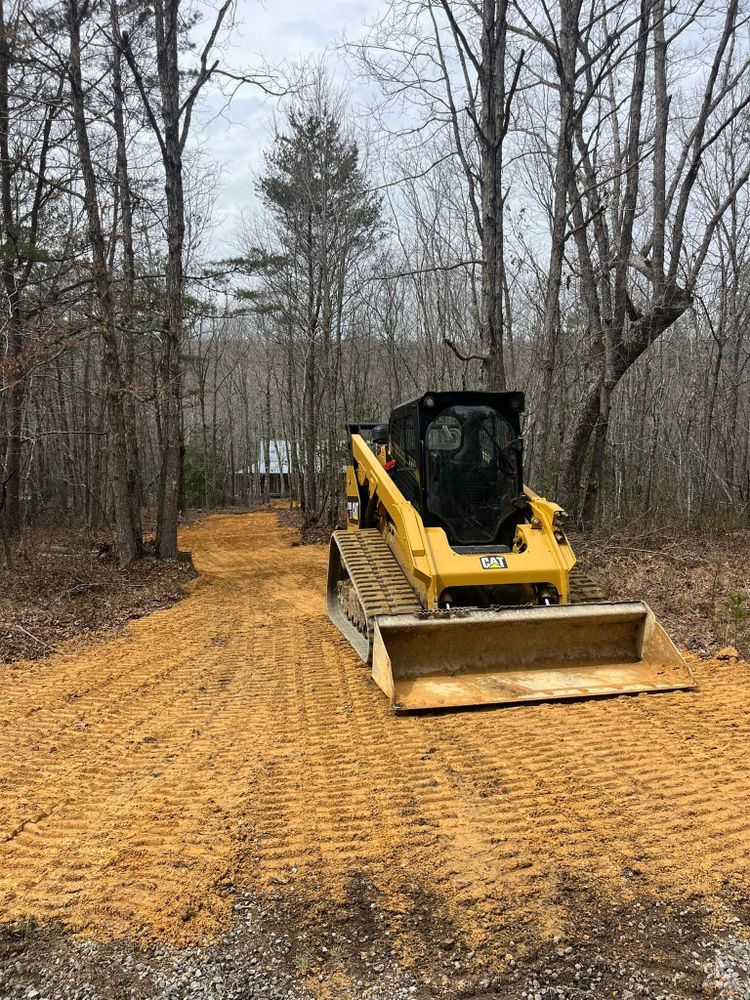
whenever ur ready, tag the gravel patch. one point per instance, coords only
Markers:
(642, 952)
(728, 969)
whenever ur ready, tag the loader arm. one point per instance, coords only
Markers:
(372, 476)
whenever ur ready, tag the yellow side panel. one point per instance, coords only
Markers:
(353, 513)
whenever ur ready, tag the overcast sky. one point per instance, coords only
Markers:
(233, 139)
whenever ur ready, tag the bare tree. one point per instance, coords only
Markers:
(128, 544)
(171, 127)
(455, 56)
(24, 189)
(649, 265)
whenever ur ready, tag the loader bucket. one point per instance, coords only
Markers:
(440, 659)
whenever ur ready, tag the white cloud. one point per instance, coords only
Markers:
(232, 138)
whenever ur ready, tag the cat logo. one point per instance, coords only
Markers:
(493, 562)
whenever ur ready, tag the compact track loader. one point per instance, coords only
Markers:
(458, 584)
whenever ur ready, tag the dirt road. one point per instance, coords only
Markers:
(234, 740)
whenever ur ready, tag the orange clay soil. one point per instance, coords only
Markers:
(235, 739)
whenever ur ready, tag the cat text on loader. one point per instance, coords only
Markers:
(458, 584)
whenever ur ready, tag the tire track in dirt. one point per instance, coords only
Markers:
(235, 739)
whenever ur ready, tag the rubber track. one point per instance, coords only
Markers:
(584, 590)
(383, 588)
(378, 580)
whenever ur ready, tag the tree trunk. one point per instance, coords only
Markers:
(128, 297)
(267, 437)
(563, 174)
(492, 127)
(310, 438)
(574, 451)
(15, 377)
(170, 367)
(126, 541)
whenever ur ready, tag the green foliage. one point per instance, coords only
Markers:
(204, 475)
(315, 189)
(254, 262)
(304, 961)
(25, 928)
(732, 616)
(18, 246)
(260, 305)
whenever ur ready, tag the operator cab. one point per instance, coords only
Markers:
(458, 460)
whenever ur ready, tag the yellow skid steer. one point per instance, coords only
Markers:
(458, 584)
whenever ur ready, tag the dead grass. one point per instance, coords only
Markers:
(63, 587)
(310, 534)
(698, 586)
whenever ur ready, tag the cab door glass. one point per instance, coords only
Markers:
(444, 433)
(471, 471)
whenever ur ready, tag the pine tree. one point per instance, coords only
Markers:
(324, 220)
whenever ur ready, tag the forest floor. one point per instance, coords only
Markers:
(65, 590)
(698, 585)
(217, 802)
